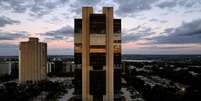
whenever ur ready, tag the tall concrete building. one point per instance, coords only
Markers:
(97, 55)
(32, 60)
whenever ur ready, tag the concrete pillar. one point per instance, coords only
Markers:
(108, 11)
(86, 11)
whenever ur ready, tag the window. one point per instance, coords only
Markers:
(117, 26)
(78, 26)
(97, 23)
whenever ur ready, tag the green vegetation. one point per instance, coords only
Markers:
(24, 92)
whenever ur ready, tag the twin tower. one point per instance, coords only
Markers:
(97, 55)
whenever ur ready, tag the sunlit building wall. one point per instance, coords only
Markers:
(32, 60)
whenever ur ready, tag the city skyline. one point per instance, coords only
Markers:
(148, 26)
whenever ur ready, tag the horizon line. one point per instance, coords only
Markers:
(122, 54)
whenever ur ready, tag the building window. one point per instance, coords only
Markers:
(97, 23)
(78, 26)
(117, 26)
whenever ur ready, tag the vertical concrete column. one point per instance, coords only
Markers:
(44, 61)
(20, 70)
(39, 61)
(86, 11)
(46, 57)
(30, 64)
(34, 61)
(108, 11)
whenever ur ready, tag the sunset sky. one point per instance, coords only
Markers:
(148, 26)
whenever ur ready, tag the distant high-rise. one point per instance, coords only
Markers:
(98, 54)
(32, 60)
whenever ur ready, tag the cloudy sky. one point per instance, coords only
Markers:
(148, 26)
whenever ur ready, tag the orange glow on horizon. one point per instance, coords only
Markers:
(60, 44)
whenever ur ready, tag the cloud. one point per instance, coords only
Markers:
(18, 6)
(163, 21)
(173, 46)
(133, 7)
(34, 7)
(88, 2)
(167, 4)
(135, 28)
(165, 49)
(129, 7)
(78, 4)
(12, 36)
(8, 48)
(60, 34)
(155, 21)
(39, 8)
(181, 3)
(43, 7)
(7, 21)
(187, 33)
(135, 34)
